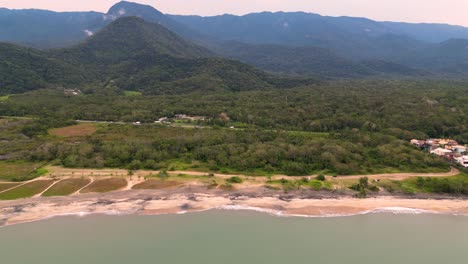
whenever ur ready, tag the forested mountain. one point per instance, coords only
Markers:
(153, 15)
(300, 28)
(130, 37)
(23, 69)
(288, 43)
(309, 60)
(130, 54)
(46, 29)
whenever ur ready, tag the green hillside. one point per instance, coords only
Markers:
(130, 54)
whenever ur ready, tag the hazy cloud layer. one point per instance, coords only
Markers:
(447, 11)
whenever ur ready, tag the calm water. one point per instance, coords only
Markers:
(238, 237)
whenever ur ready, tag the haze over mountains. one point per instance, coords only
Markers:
(287, 43)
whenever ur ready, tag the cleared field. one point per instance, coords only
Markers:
(79, 130)
(105, 185)
(67, 187)
(27, 190)
(10, 171)
(155, 184)
(7, 185)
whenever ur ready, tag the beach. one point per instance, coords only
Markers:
(196, 199)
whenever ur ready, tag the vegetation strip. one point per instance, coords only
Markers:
(66, 187)
(105, 185)
(27, 190)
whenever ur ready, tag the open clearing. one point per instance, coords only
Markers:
(154, 184)
(83, 129)
(14, 170)
(67, 187)
(105, 185)
(28, 190)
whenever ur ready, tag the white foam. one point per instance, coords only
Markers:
(250, 208)
(402, 210)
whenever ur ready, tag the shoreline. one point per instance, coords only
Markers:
(160, 202)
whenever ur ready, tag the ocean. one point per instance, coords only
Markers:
(222, 236)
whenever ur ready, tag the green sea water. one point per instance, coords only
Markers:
(238, 237)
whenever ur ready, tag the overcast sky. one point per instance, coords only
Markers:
(437, 11)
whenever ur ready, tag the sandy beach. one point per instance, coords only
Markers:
(195, 199)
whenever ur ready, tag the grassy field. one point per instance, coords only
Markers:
(17, 171)
(105, 185)
(84, 129)
(67, 187)
(7, 185)
(156, 184)
(4, 98)
(27, 190)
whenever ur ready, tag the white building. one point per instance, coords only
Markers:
(441, 152)
(463, 160)
(459, 149)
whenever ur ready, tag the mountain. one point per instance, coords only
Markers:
(360, 46)
(355, 38)
(132, 54)
(23, 69)
(294, 60)
(289, 43)
(129, 37)
(312, 61)
(151, 14)
(300, 28)
(45, 29)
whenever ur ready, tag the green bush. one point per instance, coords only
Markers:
(234, 179)
(321, 177)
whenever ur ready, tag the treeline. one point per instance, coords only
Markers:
(155, 147)
(406, 109)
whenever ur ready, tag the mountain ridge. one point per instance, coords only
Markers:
(339, 44)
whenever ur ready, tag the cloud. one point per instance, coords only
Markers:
(88, 32)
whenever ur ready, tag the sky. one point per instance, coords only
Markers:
(434, 11)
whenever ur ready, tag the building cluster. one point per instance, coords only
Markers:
(190, 117)
(71, 92)
(447, 148)
(182, 117)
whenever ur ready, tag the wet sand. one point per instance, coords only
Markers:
(194, 199)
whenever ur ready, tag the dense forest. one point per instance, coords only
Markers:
(216, 149)
(405, 109)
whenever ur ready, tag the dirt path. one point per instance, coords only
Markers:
(132, 182)
(82, 188)
(24, 183)
(394, 176)
(50, 186)
(64, 172)
(402, 176)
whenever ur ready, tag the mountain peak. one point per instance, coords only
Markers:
(131, 37)
(125, 8)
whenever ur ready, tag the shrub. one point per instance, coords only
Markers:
(235, 179)
(321, 177)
